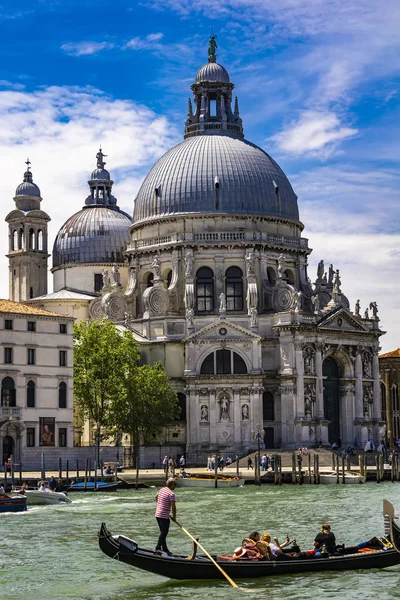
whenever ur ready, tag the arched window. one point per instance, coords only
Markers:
(205, 290)
(182, 406)
(30, 394)
(31, 239)
(150, 280)
(8, 394)
(223, 362)
(40, 240)
(289, 277)
(62, 395)
(271, 276)
(268, 407)
(21, 239)
(169, 278)
(15, 240)
(234, 289)
(395, 397)
(383, 401)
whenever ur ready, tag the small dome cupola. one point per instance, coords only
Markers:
(100, 185)
(27, 195)
(212, 99)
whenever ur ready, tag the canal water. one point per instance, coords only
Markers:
(51, 553)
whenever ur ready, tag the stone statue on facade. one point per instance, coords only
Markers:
(320, 270)
(330, 274)
(337, 283)
(308, 361)
(366, 315)
(297, 297)
(366, 365)
(309, 399)
(224, 408)
(374, 307)
(189, 264)
(316, 304)
(281, 265)
(250, 263)
(116, 275)
(245, 412)
(128, 320)
(222, 302)
(357, 308)
(253, 317)
(368, 399)
(204, 412)
(156, 266)
(106, 279)
(189, 318)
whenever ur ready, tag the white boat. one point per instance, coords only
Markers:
(331, 477)
(226, 482)
(34, 496)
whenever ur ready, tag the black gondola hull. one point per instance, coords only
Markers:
(178, 567)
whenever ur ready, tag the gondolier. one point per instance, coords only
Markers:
(166, 503)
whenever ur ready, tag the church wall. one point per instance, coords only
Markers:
(79, 311)
(81, 277)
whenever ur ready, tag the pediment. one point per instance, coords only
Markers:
(342, 320)
(222, 329)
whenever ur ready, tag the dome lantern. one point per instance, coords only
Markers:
(100, 185)
(212, 97)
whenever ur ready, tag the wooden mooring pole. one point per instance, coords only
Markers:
(309, 468)
(294, 468)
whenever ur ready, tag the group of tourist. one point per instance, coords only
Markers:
(222, 462)
(169, 464)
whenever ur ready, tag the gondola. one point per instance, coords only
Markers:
(378, 555)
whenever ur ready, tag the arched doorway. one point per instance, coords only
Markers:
(8, 448)
(330, 371)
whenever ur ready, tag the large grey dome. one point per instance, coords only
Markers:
(215, 173)
(212, 71)
(95, 234)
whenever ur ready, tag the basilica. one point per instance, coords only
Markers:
(210, 275)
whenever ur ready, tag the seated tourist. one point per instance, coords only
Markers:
(249, 548)
(325, 538)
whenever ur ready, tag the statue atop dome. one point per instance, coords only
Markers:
(100, 162)
(212, 46)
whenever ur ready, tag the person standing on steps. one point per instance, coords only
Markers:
(166, 503)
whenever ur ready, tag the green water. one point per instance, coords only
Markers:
(51, 553)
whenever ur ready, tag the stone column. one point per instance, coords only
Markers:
(237, 415)
(377, 395)
(319, 385)
(213, 416)
(359, 387)
(300, 380)
(389, 408)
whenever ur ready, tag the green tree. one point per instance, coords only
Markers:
(146, 406)
(102, 357)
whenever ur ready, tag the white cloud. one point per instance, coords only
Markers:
(150, 41)
(86, 48)
(60, 129)
(314, 133)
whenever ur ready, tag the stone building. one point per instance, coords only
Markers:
(36, 411)
(389, 367)
(215, 285)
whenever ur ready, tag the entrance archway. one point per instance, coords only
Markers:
(330, 371)
(8, 448)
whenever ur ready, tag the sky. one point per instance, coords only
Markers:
(318, 88)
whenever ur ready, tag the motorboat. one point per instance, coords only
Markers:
(40, 497)
(12, 503)
(95, 486)
(328, 477)
(377, 553)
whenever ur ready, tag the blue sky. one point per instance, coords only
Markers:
(318, 87)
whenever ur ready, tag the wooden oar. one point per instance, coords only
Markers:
(233, 584)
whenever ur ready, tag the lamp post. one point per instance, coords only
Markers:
(258, 435)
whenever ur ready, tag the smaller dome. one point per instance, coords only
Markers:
(101, 174)
(28, 188)
(212, 71)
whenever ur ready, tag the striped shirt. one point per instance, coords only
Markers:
(165, 497)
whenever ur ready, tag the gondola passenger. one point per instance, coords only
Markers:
(325, 538)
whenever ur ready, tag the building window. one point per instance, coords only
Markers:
(62, 437)
(8, 324)
(63, 358)
(31, 325)
(98, 282)
(182, 406)
(8, 356)
(150, 280)
(234, 289)
(31, 356)
(205, 290)
(30, 437)
(30, 394)
(63, 328)
(223, 362)
(62, 395)
(31, 240)
(268, 407)
(8, 394)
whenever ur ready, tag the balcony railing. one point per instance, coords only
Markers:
(10, 412)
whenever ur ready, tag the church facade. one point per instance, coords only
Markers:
(214, 283)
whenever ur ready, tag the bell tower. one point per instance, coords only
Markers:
(27, 242)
